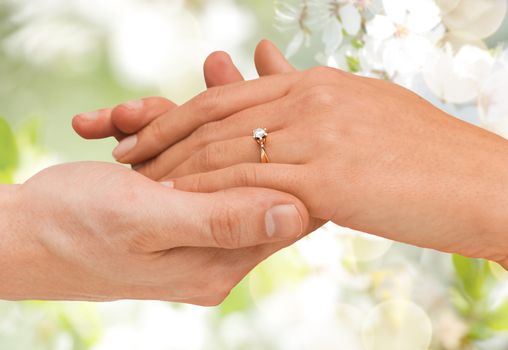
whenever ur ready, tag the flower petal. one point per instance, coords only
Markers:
(476, 19)
(406, 55)
(492, 103)
(443, 78)
(396, 10)
(423, 16)
(475, 63)
(351, 19)
(295, 44)
(380, 27)
(332, 36)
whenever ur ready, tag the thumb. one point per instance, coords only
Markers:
(269, 60)
(233, 218)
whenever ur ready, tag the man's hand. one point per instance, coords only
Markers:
(99, 231)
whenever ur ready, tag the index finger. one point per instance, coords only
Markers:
(213, 104)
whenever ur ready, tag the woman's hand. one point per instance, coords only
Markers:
(364, 153)
(99, 231)
(130, 117)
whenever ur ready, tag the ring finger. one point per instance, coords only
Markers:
(238, 125)
(281, 147)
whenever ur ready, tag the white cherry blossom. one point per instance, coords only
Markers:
(339, 16)
(457, 78)
(492, 102)
(290, 17)
(401, 38)
(331, 18)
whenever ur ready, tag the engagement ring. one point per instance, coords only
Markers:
(260, 135)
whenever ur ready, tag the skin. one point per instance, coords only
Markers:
(100, 231)
(364, 153)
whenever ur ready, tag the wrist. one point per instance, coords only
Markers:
(492, 229)
(19, 252)
(10, 208)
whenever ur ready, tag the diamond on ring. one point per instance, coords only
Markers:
(259, 134)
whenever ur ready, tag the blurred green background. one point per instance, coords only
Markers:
(62, 57)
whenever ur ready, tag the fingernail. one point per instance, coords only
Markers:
(168, 184)
(133, 105)
(283, 221)
(89, 115)
(125, 146)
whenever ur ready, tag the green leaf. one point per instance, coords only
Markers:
(473, 275)
(357, 43)
(8, 152)
(353, 64)
(498, 318)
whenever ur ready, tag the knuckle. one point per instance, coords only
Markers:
(207, 158)
(204, 158)
(158, 131)
(202, 134)
(245, 176)
(197, 183)
(192, 183)
(223, 227)
(320, 96)
(209, 100)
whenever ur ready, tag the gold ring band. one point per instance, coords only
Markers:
(260, 135)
